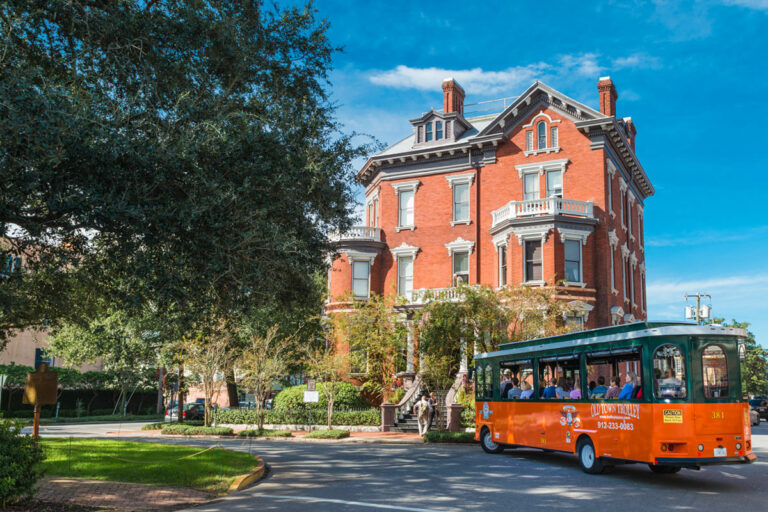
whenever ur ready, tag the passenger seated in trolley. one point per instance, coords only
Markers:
(669, 385)
(626, 391)
(514, 391)
(527, 390)
(505, 382)
(613, 391)
(551, 390)
(600, 390)
(565, 391)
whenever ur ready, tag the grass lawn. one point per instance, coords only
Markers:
(117, 418)
(212, 470)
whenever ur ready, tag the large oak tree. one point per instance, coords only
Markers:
(183, 153)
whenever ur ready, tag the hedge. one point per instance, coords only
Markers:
(300, 416)
(192, 430)
(443, 436)
(265, 433)
(347, 397)
(327, 434)
(468, 418)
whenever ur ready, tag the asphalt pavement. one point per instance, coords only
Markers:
(425, 478)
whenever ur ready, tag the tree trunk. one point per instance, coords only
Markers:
(229, 377)
(331, 399)
(180, 396)
(160, 390)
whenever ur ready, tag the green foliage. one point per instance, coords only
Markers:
(154, 426)
(20, 467)
(347, 397)
(327, 434)
(398, 395)
(300, 416)
(443, 436)
(468, 418)
(184, 172)
(755, 366)
(193, 430)
(146, 463)
(265, 432)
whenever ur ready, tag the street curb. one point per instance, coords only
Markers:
(347, 440)
(249, 478)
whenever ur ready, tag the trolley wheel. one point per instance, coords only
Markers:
(486, 441)
(664, 470)
(588, 459)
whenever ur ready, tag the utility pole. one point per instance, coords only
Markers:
(701, 312)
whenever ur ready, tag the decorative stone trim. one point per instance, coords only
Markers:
(353, 256)
(460, 245)
(404, 228)
(501, 239)
(536, 232)
(574, 234)
(610, 167)
(534, 152)
(633, 259)
(460, 179)
(541, 114)
(622, 184)
(540, 167)
(373, 197)
(405, 250)
(405, 186)
(458, 222)
(612, 238)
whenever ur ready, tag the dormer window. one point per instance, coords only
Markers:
(429, 132)
(435, 128)
(541, 127)
(438, 130)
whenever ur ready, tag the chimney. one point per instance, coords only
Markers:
(608, 96)
(453, 96)
(631, 131)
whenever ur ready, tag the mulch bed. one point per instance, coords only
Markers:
(45, 506)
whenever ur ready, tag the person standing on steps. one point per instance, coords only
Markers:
(421, 410)
(432, 410)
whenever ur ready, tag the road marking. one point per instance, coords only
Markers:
(343, 502)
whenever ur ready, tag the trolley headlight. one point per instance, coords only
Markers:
(738, 446)
(701, 447)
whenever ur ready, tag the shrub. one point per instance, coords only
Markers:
(192, 430)
(347, 397)
(265, 433)
(300, 416)
(19, 463)
(397, 396)
(468, 418)
(327, 434)
(443, 436)
(153, 426)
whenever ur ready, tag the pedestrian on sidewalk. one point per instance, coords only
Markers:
(432, 410)
(421, 409)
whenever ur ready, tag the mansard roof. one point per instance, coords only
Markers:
(488, 131)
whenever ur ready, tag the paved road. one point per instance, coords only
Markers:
(354, 478)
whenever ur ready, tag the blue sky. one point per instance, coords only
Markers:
(692, 75)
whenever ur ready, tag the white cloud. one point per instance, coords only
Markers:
(739, 286)
(707, 237)
(488, 82)
(761, 5)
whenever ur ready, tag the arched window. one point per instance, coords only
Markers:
(714, 367)
(438, 130)
(479, 383)
(541, 135)
(669, 372)
(488, 381)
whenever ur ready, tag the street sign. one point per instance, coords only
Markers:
(42, 386)
(311, 385)
(311, 396)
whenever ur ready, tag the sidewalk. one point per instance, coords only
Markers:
(298, 435)
(117, 495)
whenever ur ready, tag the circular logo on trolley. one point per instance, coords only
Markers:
(486, 410)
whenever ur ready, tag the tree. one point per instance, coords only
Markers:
(375, 335)
(127, 348)
(207, 356)
(329, 366)
(263, 361)
(184, 153)
(755, 365)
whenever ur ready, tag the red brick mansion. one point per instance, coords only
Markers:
(549, 190)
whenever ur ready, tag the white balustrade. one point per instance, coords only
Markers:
(358, 233)
(546, 206)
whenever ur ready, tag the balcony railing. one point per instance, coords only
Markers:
(546, 206)
(362, 233)
(425, 295)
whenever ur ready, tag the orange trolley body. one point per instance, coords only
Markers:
(669, 430)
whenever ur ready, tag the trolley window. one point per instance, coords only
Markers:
(715, 371)
(669, 372)
(560, 377)
(615, 373)
(484, 382)
(516, 379)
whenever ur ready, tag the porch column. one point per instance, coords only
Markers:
(409, 367)
(463, 362)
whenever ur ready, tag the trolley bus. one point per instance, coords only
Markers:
(680, 399)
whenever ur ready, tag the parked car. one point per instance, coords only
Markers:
(754, 417)
(760, 405)
(190, 412)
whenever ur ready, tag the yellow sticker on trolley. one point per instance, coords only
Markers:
(673, 415)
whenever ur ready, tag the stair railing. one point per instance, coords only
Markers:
(405, 405)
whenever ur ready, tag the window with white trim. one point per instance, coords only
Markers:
(631, 284)
(429, 132)
(613, 272)
(541, 135)
(533, 254)
(438, 130)
(530, 186)
(502, 252)
(555, 184)
(460, 202)
(460, 267)
(529, 140)
(405, 276)
(361, 273)
(624, 272)
(572, 261)
(405, 208)
(553, 139)
(610, 193)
